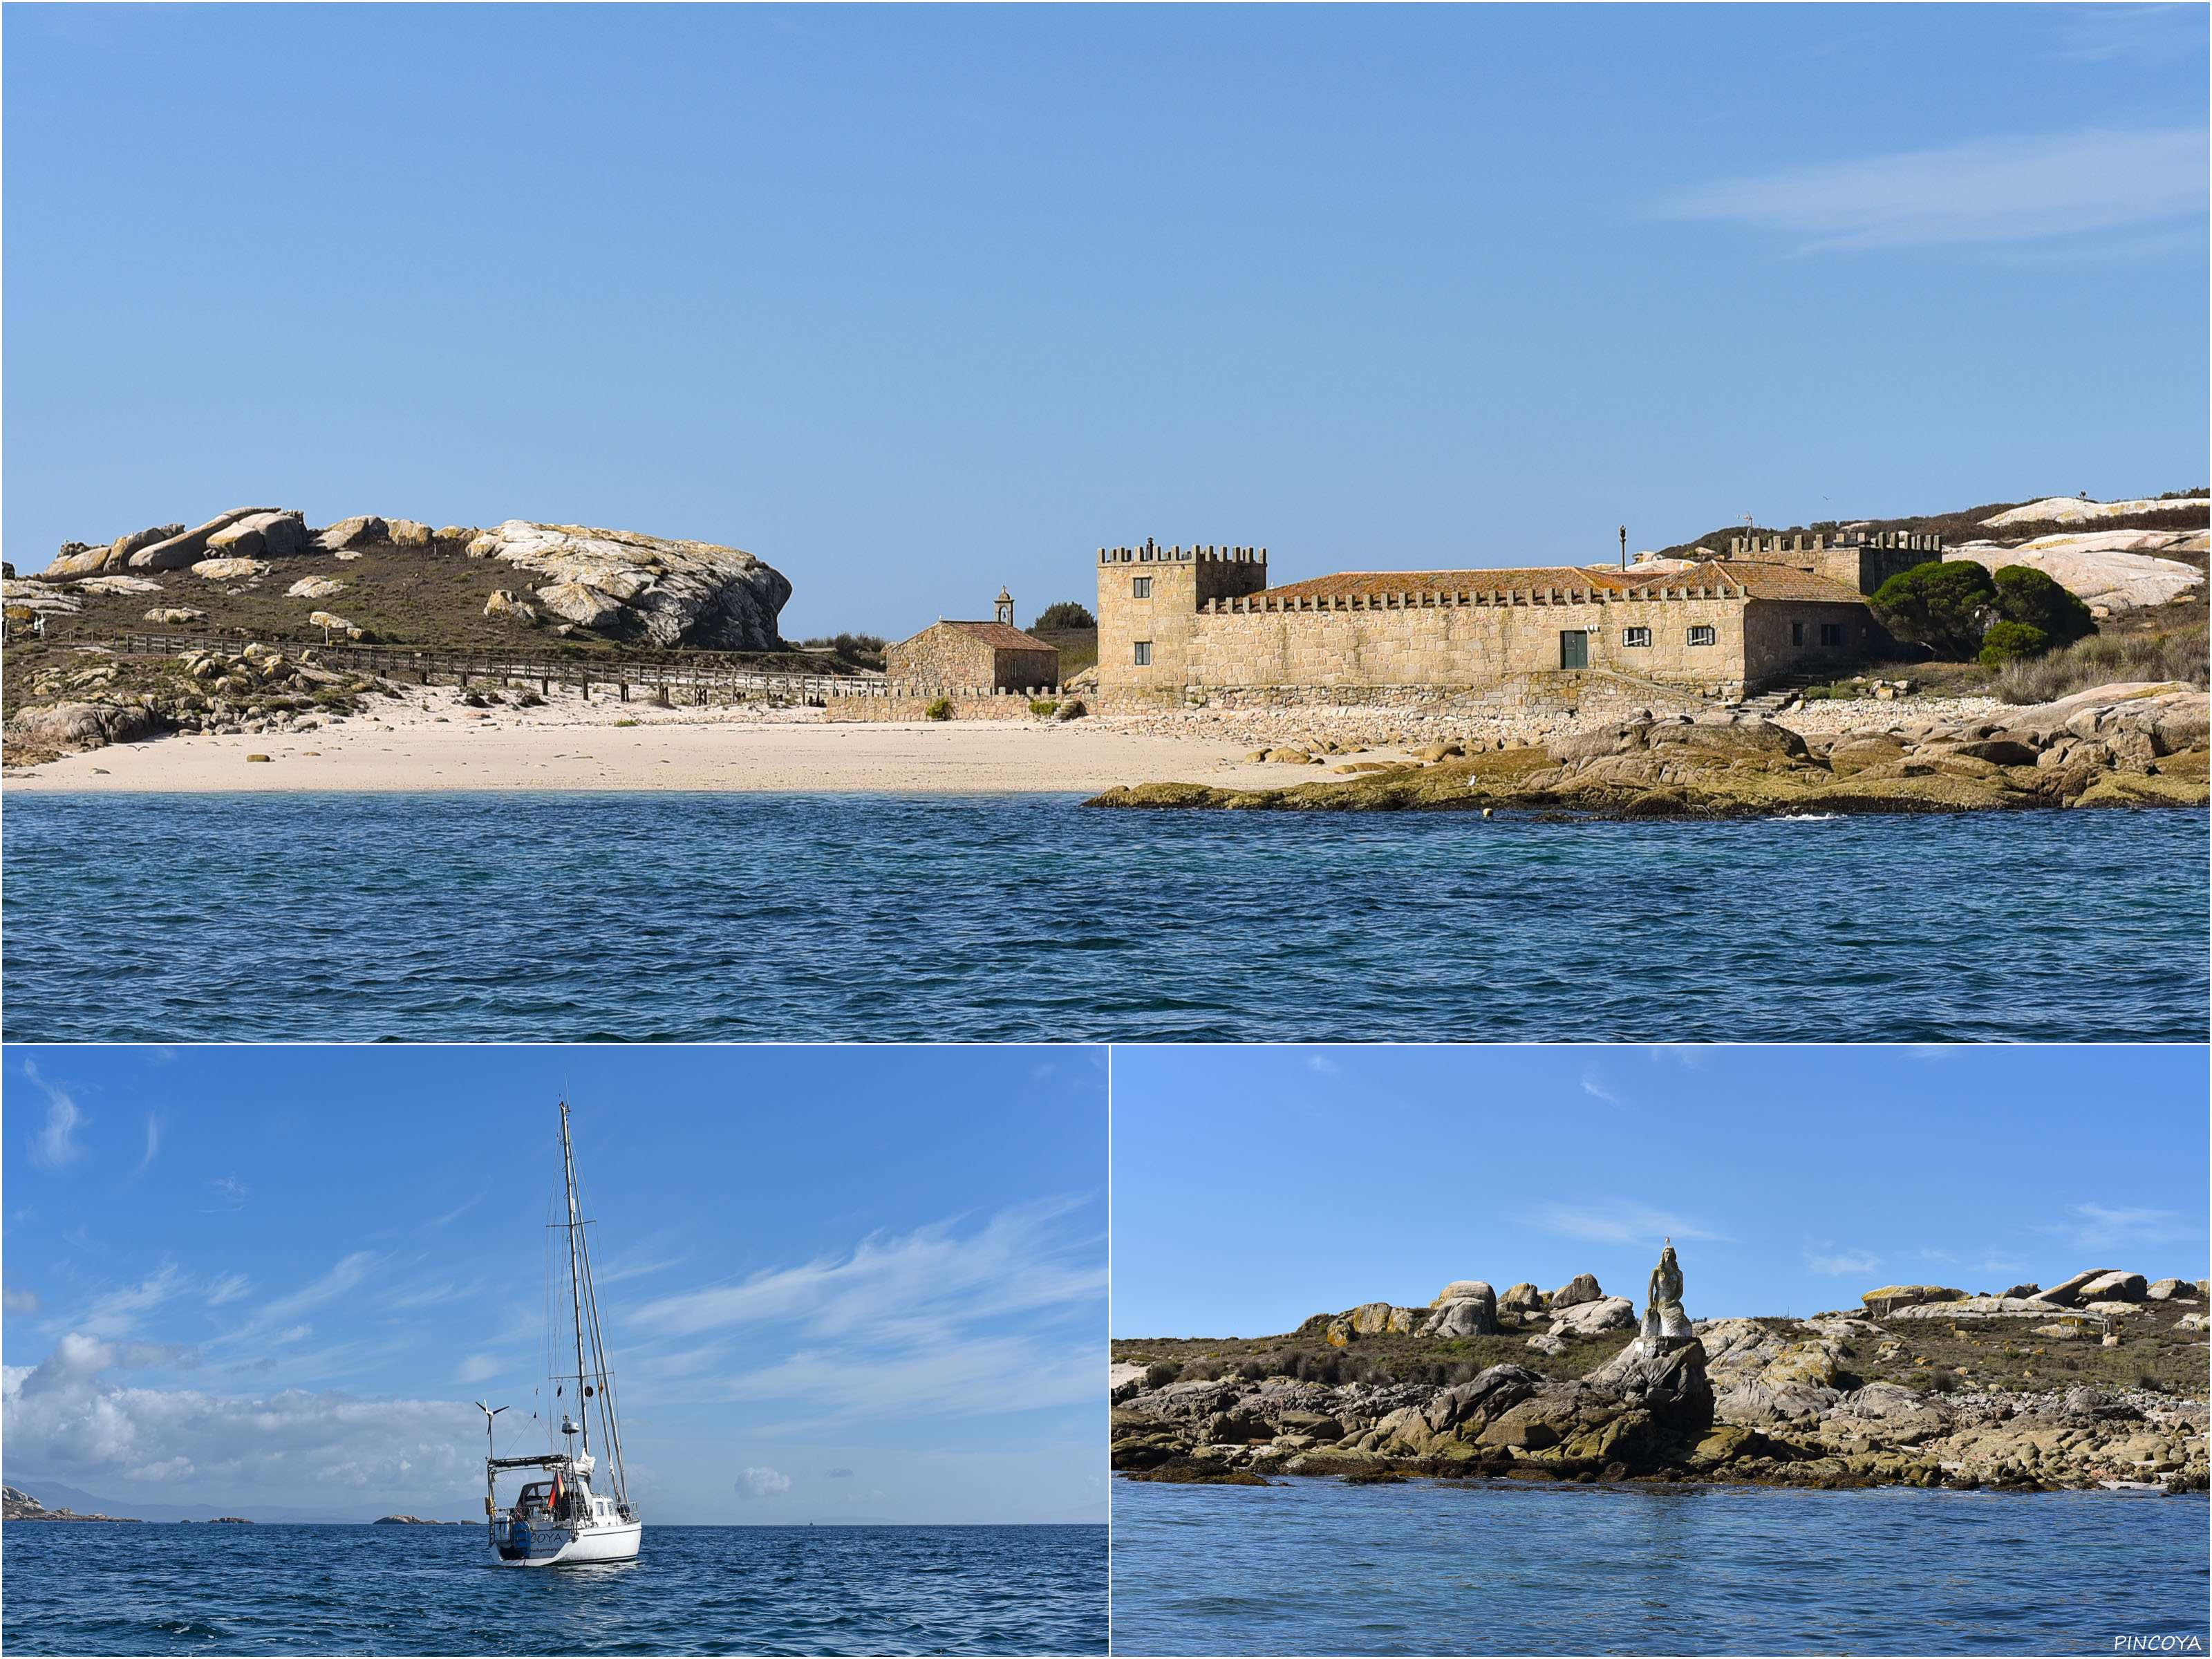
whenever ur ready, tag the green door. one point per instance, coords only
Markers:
(1574, 648)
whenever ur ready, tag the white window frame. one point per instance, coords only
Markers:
(1704, 633)
(1636, 638)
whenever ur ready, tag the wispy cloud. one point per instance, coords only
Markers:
(1619, 1224)
(153, 1144)
(229, 1194)
(945, 1320)
(1851, 1265)
(229, 1288)
(1321, 1063)
(762, 1483)
(2099, 1228)
(344, 1277)
(16, 1300)
(54, 1146)
(2006, 188)
(1592, 1086)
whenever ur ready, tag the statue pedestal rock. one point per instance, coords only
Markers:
(1663, 1370)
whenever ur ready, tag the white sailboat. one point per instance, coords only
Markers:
(580, 1511)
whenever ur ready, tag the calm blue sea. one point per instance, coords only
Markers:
(147, 1589)
(1317, 1566)
(701, 917)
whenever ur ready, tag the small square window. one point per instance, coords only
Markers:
(1832, 633)
(1702, 634)
(1636, 636)
(1141, 587)
(1144, 654)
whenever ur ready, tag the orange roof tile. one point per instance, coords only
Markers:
(1001, 637)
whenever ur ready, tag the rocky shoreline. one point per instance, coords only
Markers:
(2114, 745)
(16, 1505)
(1839, 1400)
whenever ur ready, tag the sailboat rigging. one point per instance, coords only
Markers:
(581, 1511)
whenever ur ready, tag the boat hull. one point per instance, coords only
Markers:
(564, 1547)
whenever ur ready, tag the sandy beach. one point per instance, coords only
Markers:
(430, 739)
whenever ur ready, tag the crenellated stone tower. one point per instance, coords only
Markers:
(1148, 602)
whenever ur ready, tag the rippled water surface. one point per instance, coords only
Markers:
(1315, 1566)
(162, 1589)
(744, 917)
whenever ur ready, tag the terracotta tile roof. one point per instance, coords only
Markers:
(1001, 637)
(1762, 581)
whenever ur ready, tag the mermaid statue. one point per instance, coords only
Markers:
(1665, 1324)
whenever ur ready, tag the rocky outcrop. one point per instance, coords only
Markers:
(65, 727)
(187, 547)
(1583, 1287)
(260, 535)
(1607, 1312)
(2114, 745)
(16, 1504)
(654, 591)
(1890, 1297)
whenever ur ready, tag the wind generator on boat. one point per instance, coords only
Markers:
(566, 1517)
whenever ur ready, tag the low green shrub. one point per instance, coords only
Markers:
(1042, 709)
(1941, 604)
(939, 710)
(2006, 641)
(2028, 597)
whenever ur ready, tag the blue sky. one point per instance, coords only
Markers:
(914, 301)
(1253, 1188)
(835, 1283)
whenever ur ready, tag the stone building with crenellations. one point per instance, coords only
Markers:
(983, 656)
(1176, 623)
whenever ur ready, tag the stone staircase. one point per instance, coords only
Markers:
(1776, 697)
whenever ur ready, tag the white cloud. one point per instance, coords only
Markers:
(229, 1194)
(762, 1483)
(1592, 1086)
(921, 1283)
(349, 1272)
(2008, 188)
(1850, 1264)
(52, 1147)
(118, 1312)
(63, 1421)
(841, 1474)
(1619, 1224)
(1323, 1064)
(153, 1142)
(2100, 1228)
(931, 1322)
(16, 1300)
(228, 1289)
(478, 1366)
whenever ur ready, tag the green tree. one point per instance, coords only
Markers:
(2007, 640)
(2031, 598)
(1944, 605)
(1067, 613)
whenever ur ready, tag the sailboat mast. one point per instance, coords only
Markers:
(575, 1277)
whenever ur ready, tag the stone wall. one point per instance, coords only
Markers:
(946, 654)
(939, 655)
(972, 706)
